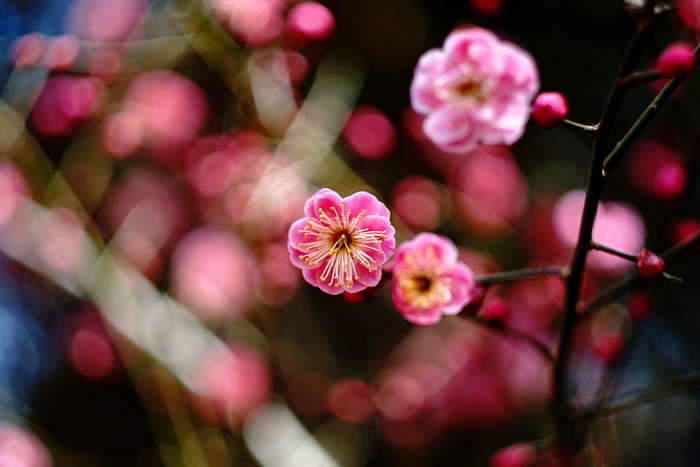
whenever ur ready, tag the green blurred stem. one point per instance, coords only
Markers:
(612, 251)
(518, 274)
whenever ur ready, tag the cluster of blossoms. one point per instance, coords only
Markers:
(343, 243)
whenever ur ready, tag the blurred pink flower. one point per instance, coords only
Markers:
(105, 20)
(342, 243)
(428, 280)
(617, 225)
(230, 383)
(490, 191)
(214, 273)
(20, 448)
(256, 22)
(161, 111)
(369, 132)
(475, 90)
(64, 102)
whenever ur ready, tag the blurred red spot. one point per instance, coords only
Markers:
(487, 6)
(64, 102)
(62, 52)
(609, 345)
(517, 455)
(350, 400)
(91, 353)
(419, 202)
(369, 132)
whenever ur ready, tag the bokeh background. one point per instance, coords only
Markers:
(152, 157)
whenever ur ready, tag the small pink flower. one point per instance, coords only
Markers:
(476, 89)
(429, 281)
(342, 243)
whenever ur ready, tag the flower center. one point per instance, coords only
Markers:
(422, 281)
(340, 246)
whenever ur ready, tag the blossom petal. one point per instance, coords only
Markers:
(363, 201)
(322, 199)
(450, 126)
(462, 286)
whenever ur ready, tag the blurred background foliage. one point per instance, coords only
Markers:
(105, 370)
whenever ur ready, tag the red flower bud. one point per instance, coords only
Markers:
(549, 109)
(650, 264)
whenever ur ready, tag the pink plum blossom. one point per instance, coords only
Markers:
(428, 279)
(342, 243)
(475, 90)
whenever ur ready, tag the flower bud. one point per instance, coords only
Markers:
(549, 109)
(650, 264)
(676, 60)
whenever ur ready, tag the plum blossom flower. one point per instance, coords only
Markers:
(429, 281)
(342, 243)
(475, 90)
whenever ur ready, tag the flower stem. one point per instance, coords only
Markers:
(571, 434)
(494, 326)
(612, 251)
(518, 274)
(641, 123)
(583, 129)
(634, 277)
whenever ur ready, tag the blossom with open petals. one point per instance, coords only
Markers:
(429, 281)
(477, 89)
(342, 243)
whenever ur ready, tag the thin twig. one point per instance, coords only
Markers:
(498, 327)
(507, 276)
(634, 277)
